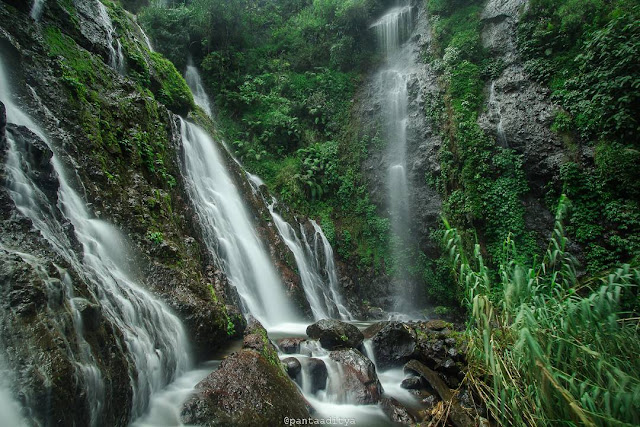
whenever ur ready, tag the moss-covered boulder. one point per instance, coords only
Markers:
(250, 388)
(334, 334)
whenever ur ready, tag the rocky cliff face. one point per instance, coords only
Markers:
(118, 142)
(519, 113)
(423, 144)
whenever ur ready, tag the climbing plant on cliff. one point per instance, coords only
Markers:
(550, 348)
(482, 183)
(588, 54)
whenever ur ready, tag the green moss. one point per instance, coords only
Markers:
(482, 183)
(171, 88)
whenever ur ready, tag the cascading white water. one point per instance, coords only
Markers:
(194, 81)
(36, 9)
(392, 30)
(145, 37)
(318, 281)
(155, 340)
(329, 269)
(116, 58)
(229, 232)
(495, 105)
(394, 27)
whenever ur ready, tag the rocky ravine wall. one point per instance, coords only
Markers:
(423, 144)
(121, 145)
(523, 110)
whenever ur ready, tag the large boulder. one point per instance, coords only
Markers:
(334, 334)
(317, 373)
(247, 390)
(360, 384)
(393, 345)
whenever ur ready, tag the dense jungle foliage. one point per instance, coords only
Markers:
(283, 75)
(552, 340)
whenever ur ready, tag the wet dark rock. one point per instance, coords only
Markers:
(457, 414)
(89, 312)
(360, 382)
(317, 370)
(292, 366)
(411, 383)
(247, 390)
(3, 125)
(393, 345)
(370, 331)
(290, 345)
(396, 412)
(38, 156)
(334, 334)
(376, 313)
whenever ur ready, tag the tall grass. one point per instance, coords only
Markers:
(547, 348)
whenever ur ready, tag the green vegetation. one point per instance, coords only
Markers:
(547, 348)
(284, 75)
(173, 91)
(481, 182)
(588, 54)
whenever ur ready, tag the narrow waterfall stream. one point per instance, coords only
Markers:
(392, 30)
(36, 9)
(319, 280)
(155, 341)
(229, 233)
(116, 57)
(194, 81)
(495, 106)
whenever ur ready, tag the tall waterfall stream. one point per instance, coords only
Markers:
(162, 374)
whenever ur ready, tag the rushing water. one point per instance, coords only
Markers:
(154, 338)
(36, 9)
(116, 58)
(319, 280)
(229, 232)
(392, 30)
(194, 81)
(495, 105)
(333, 399)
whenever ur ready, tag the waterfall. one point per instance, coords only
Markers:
(144, 35)
(392, 30)
(155, 340)
(197, 88)
(229, 232)
(116, 59)
(36, 9)
(319, 280)
(330, 270)
(495, 105)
